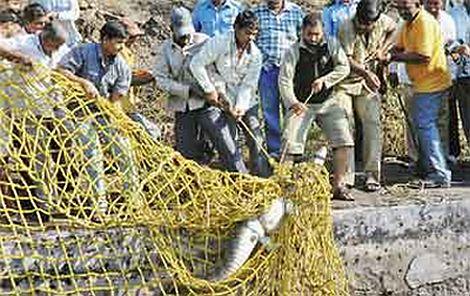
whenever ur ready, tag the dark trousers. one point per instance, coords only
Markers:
(251, 127)
(214, 124)
(454, 137)
(462, 95)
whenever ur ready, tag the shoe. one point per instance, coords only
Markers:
(429, 184)
(342, 193)
(99, 214)
(452, 160)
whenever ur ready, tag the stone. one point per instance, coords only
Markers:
(426, 269)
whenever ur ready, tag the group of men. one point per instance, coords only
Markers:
(224, 62)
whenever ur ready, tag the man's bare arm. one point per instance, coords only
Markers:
(15, 57)
(399, 55)
(87, 85)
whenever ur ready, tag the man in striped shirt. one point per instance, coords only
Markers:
(280, 24)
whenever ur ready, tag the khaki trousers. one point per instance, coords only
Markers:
(367, 106)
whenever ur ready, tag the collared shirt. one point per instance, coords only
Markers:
(449, 35)
(68, 11)
(236, 77)
(448, 28)
(288, 68)
(423, 35)
(361, 50)
(277, 32)
(461, 16)
(212, 20)
(335, 14)
(172, 75)
(110, 75)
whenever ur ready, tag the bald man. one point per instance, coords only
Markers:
(419, 46)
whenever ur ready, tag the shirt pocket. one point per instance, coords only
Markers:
(289, 32)
(94, 76)
(224, 66)
(208, 27)
(108, 82)
(226, 21)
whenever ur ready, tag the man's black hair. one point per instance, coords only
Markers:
(312, 20)
(246, 19)
(33, 12)
(9, 15)
(369, 10)
(54, 32)
(112, 30)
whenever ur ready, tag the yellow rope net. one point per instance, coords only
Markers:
(92, 205)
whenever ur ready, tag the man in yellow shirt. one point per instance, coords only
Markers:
(420, 47)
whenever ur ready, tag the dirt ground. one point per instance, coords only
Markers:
(396, 177)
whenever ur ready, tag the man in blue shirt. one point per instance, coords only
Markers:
(335, 14)
(460, 12)
(280, 25)
(215, 17)
(99, 69)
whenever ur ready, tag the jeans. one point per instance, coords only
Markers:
(425, 112)
(151, 128)
(251, 128)
(213, 123)
(270, 103)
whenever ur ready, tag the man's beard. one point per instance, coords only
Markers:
(406, 15)
(313, 44)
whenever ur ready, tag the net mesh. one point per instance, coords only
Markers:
(92, 205)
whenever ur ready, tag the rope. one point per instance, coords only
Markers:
(91, 204)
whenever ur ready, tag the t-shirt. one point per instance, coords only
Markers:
(423, 36)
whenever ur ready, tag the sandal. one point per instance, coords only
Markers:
(372, 185)
(342, 193)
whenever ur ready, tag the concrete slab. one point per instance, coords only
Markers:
(402, 241)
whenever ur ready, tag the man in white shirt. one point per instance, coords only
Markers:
(237, 62)
(448, 28)
(46, 48)
(192, 107)
(39, 96)
(66, 12)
